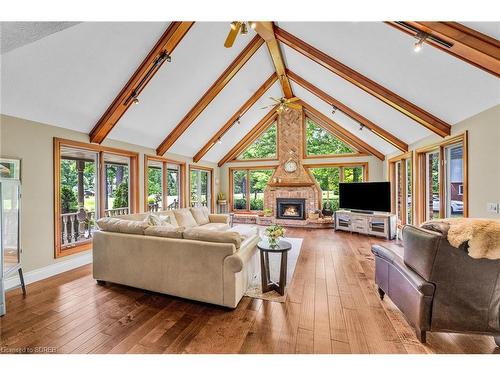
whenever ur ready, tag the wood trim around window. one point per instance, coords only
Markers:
(363, 164)
(420, 176)
(230, 178)
(134, 187)
(165, 161)
(212, 192)
(392, 179)
(319, 123)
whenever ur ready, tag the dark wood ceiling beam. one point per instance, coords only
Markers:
(341, 132)
(211, 93)
(409, 109)
(467, 44)
(143, 74)
(385, 135)
(266, 31)
(251, 136)
(235, 117)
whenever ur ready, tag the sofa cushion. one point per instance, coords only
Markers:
(200, 214)
(215, 227)
(245, 231)
(200, 234)
(112, 224)
(185, 218)
(168, 231)
(169, 217)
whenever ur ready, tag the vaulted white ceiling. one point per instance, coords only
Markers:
(70, 77)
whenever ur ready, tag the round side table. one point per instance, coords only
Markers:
(283, 247)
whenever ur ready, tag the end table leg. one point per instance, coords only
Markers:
(283, 269)
(263, 273)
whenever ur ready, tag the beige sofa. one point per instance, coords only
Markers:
(196, 257)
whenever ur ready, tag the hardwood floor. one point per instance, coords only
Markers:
(332, 307)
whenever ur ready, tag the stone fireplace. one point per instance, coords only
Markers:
(291, 186)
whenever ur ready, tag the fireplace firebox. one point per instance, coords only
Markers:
(291, 208)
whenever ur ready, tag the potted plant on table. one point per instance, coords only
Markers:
(274, 233)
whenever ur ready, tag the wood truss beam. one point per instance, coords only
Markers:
(341, 132)
(409, 109)
(385, 135)
(235, 117)
(211, 93)
(266, 31)
(143, 74)
(467, 44)
(251, 136)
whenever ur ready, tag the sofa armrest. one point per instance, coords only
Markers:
(236, 261)
(384, 253)
(218, 218)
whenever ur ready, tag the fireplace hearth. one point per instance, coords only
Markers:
(291, 209)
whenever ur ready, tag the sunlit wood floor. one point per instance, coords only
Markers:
(332, 307)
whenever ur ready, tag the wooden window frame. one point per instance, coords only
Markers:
(101, 150)
(212, 192)
(420, 176)
(231, 186)
(164, 161)
(319, 123)
(392, 179)
(274, 121)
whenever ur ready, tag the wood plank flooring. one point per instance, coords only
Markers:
(332, 307)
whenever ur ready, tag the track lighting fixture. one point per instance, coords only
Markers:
(334, 109)
(162, 57)
(244, 28)
(361, 127)
(422, 37)
(238, 120)
(219, 141)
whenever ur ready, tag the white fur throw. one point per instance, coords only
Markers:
(483, 236)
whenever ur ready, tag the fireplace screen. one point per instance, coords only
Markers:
(290, 208)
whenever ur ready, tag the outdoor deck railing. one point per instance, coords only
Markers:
(78, 226)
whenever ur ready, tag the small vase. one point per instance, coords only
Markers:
(273, 242)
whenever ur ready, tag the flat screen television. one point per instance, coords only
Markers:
(365, 196)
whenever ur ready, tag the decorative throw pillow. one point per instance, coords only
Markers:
(154, 220)
(200, 214)
(185, 218)
(169, 214)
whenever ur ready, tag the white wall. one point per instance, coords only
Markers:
(32, 142)
(484, 159)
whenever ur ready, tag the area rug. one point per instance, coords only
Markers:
(255, 287)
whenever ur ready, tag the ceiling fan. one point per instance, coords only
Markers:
(283, 104)
(236, 27)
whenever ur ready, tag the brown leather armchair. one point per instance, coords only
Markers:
(439, 287)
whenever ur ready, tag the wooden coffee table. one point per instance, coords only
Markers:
(282, 248)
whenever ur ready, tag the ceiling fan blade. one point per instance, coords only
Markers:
(291, 100)
(267, 106)
(233, 33)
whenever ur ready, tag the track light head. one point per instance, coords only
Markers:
(135, 101)
(361, 127)
(244, 28)
(334, 109)
(219, 141)
(168, 58)
(422, 37)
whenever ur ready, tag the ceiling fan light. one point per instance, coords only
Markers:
(234, 25)
(253, 25)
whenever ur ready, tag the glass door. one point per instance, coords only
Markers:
(200, 183)
(173, 186)
(432, 170)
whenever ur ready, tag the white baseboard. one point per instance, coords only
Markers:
(48, 271)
